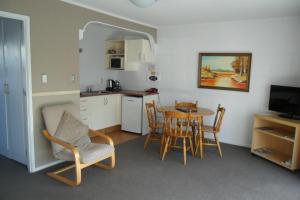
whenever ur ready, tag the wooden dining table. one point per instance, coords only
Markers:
(200, 110)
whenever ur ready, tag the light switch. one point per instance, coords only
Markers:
(73, 78)
(44, 78)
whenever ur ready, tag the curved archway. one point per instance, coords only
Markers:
(149, 36)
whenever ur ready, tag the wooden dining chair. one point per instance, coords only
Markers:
(153, 125)
(182, 131)
(187, 105)
(214, 129)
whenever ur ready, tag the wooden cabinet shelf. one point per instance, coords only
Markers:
(277, 139)
(277, 133)
(275, 156)
(135, 52)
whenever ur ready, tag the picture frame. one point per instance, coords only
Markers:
(224, 71)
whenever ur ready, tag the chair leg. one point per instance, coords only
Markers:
(218, 145)
(175, 141)
(165, 148)
(110, 166)
(162, 143)
(201, 144)
(191, 146)
(147, 140)
(196, 144)
(55, 175)
(184, 151)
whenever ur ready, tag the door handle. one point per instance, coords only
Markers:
(6, 89)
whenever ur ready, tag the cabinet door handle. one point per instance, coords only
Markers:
(6, 89)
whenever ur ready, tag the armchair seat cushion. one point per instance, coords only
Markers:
(88, 153)
(94, 152)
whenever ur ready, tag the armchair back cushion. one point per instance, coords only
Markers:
(52, 115)
(72, 131)
(62, 121)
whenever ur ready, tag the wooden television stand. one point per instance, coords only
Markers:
(277, 139)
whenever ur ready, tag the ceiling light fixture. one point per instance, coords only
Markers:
(143, 3)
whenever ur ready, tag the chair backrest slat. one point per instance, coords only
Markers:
(219, 118)
(180, 123)
(151, 115)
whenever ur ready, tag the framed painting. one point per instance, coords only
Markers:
(225, 71)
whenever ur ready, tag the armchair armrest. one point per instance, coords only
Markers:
(94, 133)
(69, 146)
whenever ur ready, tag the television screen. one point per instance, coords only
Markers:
(285, 100)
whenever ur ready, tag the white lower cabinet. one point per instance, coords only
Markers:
(101, 111)
(104, 111)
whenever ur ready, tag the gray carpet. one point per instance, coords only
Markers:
(142, 175)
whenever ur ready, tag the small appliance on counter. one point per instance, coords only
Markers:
(117, 86)
(110, 84)
(113, 85)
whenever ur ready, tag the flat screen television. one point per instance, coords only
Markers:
(285, 100)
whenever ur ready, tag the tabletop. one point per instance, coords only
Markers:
(200, 110)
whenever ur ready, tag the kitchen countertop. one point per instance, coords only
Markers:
(133, 93)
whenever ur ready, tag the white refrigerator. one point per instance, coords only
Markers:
(132, 114)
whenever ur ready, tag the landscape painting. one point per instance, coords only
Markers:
(228, 71)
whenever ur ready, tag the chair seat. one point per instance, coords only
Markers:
(159, 125)
(88, 154)
(173, 134)
(208, 129)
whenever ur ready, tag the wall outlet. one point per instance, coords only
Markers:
(44, 78)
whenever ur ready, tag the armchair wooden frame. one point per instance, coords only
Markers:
(78, 165)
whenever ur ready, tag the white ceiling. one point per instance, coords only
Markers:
(178, 12)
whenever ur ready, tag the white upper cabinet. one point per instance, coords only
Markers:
(135, 52)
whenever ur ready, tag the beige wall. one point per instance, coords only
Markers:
(54, 38)
(54, 28)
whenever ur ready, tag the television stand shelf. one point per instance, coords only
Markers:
(277, 139)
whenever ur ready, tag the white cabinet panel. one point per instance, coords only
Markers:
(132, 114)
(147, 52)
(112, 110)
(101, 111)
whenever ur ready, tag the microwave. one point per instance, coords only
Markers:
(116, 62)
